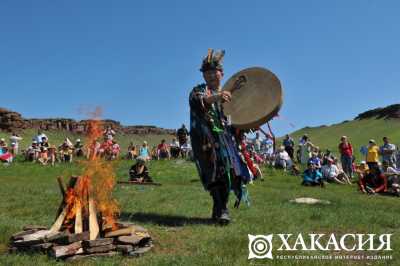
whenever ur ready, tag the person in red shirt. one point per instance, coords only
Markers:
(373, 182)
(163, 150)
(346, 152)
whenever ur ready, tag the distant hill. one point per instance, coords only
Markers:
(372, 124)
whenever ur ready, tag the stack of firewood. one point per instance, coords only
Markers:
(80, 231)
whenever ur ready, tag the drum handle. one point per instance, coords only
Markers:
(239, 83)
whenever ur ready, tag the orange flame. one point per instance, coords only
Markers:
(100, 173)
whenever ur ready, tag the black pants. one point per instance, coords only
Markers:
(290, 151)
(372, 165)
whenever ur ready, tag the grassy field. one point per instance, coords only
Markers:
(177, 215)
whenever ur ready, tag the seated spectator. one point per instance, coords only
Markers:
(109, 133)
(392, 174)
(373, 182)
(52, 154)
(43, 156)
(105, 149)
(139, 172)
(44, 143)
(5, 155)
(132, 152)
(163, 151)
(175, 148)
(327, 155)
(3, 143)
(92, 150)
(283, 159)
(312, 177)
(315, 160)
(66, 151)
(78, 148)
(115, 150)
(144, 151)
(39, 137)
(331, 173)
(32, 153)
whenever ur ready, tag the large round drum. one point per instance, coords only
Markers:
(256, 97)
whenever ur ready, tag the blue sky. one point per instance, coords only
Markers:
(139, 59)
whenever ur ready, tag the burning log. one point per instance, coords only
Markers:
(81, 230)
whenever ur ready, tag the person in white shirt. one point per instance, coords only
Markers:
(14, 143)
(332, 173)
(174, 148)
(282, 159)
(40, 137)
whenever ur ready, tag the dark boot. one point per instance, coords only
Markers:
(224, 218)
(216, 212)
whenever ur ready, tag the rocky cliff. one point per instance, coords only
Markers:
(13, 121)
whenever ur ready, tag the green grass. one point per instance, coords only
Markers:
(358, 131)
(176, 214)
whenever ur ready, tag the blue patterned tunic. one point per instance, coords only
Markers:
(214, 144)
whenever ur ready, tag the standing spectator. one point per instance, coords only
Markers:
(288, 142)
(305, 148)
(175, 149)
(14, 143)
(182, 135)
(186, 150)
(257, 143)
(388, 152)
(373, 155)
(346, 156)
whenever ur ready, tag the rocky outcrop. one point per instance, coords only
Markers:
(388, 112)
(10, 121)
(13, 121)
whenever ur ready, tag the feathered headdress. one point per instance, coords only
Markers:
(213, 60)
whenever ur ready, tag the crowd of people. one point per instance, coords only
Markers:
(376, 172)
(41, 151)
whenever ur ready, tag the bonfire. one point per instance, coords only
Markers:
(86, 221)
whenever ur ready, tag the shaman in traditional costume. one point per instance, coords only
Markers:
(215, 143)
